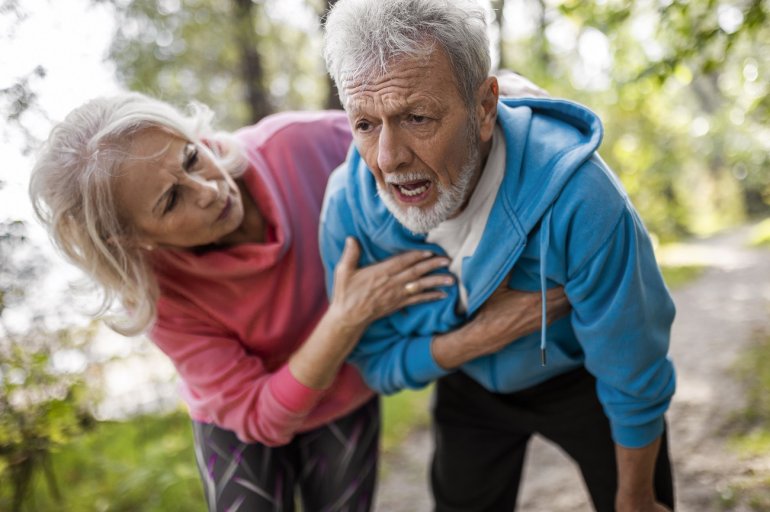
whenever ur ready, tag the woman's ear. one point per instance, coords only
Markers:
(487, 95)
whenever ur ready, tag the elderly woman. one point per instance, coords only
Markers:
(208, 241)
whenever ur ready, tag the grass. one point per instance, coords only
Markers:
(751, 436)
(676, 276)
(403, 412)
(147, 463)
(760, 234)
(144, 464)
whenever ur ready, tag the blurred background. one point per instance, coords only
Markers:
(90, 420)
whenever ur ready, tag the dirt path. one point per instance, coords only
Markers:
(718, 316)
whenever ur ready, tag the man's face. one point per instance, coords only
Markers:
(418, 138)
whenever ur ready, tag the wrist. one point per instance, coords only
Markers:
(344, 322)
(635, 502)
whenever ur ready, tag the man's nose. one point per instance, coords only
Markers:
(392, 151)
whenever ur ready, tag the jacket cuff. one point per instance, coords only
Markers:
(637, 436)
(421, 368)
(291, 393)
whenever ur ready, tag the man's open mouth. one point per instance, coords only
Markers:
(413, 191)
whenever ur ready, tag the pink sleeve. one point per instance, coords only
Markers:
(234, 389)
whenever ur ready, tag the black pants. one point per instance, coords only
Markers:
(481, 440)
(333, 467)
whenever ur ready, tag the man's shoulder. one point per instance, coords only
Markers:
(593, 187)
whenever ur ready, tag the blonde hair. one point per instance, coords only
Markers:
(71, 188)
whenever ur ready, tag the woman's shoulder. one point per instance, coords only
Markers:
(294, 126)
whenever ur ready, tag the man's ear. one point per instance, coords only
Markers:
(486, 107)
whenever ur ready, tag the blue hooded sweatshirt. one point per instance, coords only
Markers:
(560, 218)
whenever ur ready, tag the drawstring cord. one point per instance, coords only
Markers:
(545, 229)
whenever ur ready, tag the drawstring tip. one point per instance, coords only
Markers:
(543, 358)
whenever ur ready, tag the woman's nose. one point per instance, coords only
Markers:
(206, 191)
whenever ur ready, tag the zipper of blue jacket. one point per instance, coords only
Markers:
(545, 235)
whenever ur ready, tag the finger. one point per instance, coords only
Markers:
(432, 281)
(397, 264)
(349, 259)
(415, 271)
(424, 297)
(426, 283)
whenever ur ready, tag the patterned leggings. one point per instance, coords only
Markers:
(334, 467)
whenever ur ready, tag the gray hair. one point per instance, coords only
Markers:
(363, 37)
(72, 192)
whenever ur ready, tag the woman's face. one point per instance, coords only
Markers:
(175, 194)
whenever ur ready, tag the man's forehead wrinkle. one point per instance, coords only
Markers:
(394, 101)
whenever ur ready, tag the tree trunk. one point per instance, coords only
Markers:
(252, 74)
(332, 98)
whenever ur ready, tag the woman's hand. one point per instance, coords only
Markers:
(506, 316)
(362, 295)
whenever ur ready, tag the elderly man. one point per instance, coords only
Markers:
(513, 192)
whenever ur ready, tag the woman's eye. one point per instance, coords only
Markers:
(191, 157)
(173, 196)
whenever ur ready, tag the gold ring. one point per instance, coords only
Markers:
(411, 287)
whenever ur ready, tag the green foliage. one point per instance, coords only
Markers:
(760, 234)
(401, 413)
(683, 91)
(679, 275)
(43, 403)
(753, 369)
(41, 407)
(146, 463)
(195, 51)
(751, 437)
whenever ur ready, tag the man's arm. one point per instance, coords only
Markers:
(636, 467)
(622, 315)
(507, 315)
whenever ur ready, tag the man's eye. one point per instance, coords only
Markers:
(363, 126)
(418, 119)
(173, 196)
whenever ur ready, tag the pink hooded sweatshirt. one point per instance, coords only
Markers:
(229, 319)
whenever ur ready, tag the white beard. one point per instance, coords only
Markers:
(448, 204)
